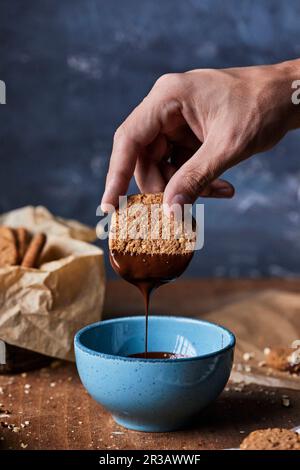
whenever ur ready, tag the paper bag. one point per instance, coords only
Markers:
(41, 309)
(268, 319)
(39, 219)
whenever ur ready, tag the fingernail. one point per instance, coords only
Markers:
(178, 200)
(105, 207)
(224, 192)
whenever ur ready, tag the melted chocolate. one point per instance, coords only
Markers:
(157, 355)
(147, 272)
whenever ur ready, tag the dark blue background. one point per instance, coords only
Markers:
(74, 70)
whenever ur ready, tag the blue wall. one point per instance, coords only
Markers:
(74, 69)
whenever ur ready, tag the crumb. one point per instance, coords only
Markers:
(285, 401)
(23, 445)
(267, 351)
(283, 359)
(23, 425)
(294, 358)
(262, 364)
(247, 356)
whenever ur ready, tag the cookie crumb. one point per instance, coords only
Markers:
(283, 359)
(285, 401)
(247, 356)
(294, 358)
(262, 364)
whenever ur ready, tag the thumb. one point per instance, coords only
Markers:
(197, 177)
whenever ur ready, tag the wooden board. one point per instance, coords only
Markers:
(57, 413)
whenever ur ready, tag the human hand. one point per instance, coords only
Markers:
(193, 126)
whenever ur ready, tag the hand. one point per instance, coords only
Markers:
(193, 126)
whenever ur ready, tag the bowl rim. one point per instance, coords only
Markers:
(92, 352)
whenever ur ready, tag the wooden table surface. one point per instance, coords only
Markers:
(49, 408)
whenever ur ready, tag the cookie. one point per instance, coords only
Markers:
(271, 439)
(34, 250)
(284, 359)
(8, 247)
(143, 228)
(23, 240)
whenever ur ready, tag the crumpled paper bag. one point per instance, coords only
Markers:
(39, 219)
(267, 319)
(41, 309)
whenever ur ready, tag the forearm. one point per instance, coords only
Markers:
(289, 75)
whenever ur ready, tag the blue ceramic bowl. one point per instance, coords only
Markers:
(154, 394)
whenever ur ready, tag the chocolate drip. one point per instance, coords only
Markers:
(148, 272)
(157, 355)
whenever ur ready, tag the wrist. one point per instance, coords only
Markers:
(289, 77)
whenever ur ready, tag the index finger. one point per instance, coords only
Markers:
(137, 131)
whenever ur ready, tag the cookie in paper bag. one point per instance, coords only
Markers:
(8, 247)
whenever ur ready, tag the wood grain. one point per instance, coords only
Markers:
(61, 414)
